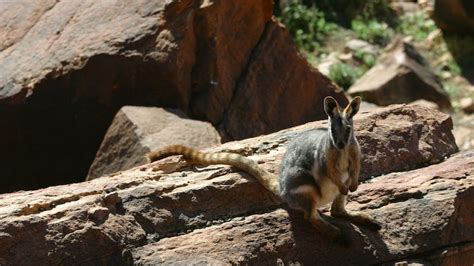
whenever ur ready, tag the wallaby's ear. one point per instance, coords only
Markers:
(353, 107)
(331, 107)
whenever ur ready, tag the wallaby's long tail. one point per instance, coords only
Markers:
(267, 179)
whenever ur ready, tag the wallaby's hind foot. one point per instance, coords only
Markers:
(338, 210)
(364, 220)
(328, 230)
(358, 219)
(305, 199)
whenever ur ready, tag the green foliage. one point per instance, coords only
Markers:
(307, 25)
(372, 31)
(454, 68)
(453, 90)
(344, 11)
(419, 25)
(344, 74)
(368, 60)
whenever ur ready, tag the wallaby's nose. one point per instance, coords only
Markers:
(340, 145)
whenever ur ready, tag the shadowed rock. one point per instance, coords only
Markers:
(137, 130)
(66, 68)
(170, 211)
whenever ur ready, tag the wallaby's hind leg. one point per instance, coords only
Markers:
(338, 209)
(305, 198)
(326, 228)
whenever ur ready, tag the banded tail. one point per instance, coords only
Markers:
(267, 179)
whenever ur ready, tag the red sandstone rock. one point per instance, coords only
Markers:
(420, 211)
(264, 103)
(162, 212)
(66, 68)
(400, 76)
(137, 130)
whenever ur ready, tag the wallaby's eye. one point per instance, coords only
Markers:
(348, 129)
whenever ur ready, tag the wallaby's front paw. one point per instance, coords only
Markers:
(353, 187)
(343, 190)
(354, 184)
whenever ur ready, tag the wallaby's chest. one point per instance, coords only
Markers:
(342, 160)
(339, 164)
(336, 161)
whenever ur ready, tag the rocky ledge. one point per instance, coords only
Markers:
(170, 211)
(421, 211)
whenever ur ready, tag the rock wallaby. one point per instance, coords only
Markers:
(319, 167)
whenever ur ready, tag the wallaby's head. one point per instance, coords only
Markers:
(340, 122)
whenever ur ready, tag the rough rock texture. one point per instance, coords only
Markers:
(426, 104)
(356, 45)
(464, 131)
(405, 7)
(165, 211)
(420, 211)
(137, 130)
(467, 104)
(462, 254)
(400, 76)
(454, 15)
(66, 68)
(403, 137)
(294, 98)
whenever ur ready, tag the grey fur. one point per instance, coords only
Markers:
(299, 159)
(309, 148)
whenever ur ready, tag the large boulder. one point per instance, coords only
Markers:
(163, 212)
(456, 16)
(264, 104)
(402, 138)
(401, 76)
(66, 68)
(137, 130)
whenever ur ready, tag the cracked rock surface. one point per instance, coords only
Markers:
(67, 67)
(170, 211)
